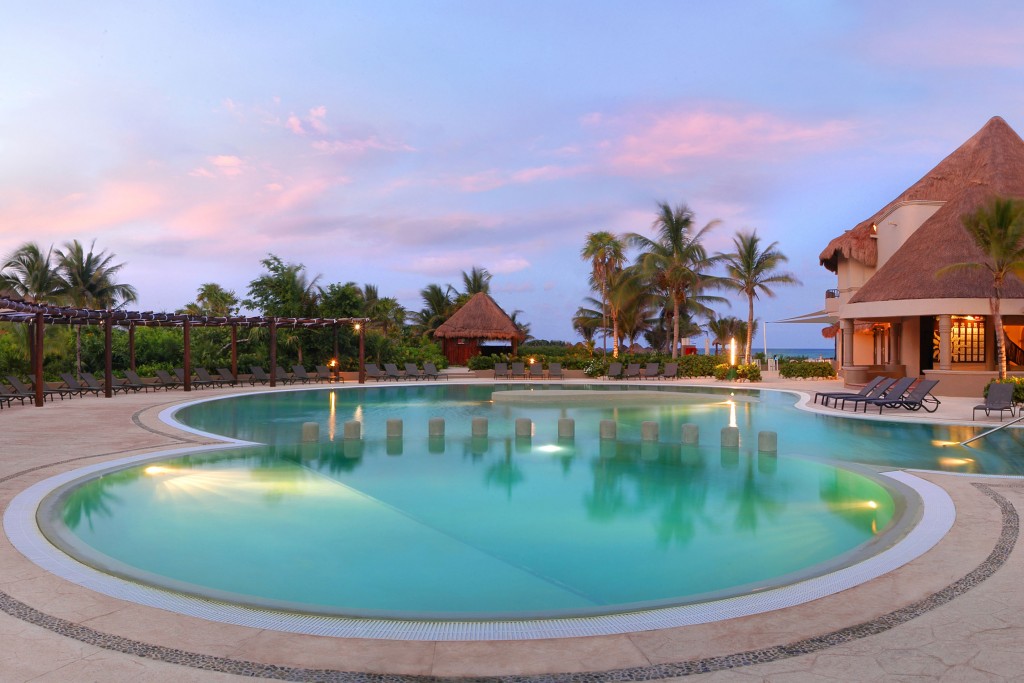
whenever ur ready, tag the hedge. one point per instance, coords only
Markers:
(805, 369)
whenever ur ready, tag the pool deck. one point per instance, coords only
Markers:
(955, 613)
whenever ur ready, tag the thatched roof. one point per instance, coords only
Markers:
(479, 318)
(992, 158)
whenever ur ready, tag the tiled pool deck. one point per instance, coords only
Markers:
(956, 613)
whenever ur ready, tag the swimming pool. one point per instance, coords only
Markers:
(471, 528)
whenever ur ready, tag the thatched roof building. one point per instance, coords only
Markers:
(480, 319)
(894, 310)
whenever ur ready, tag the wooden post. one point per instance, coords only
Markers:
(37, 358)
(234, 351)
(273, 353)
(186, 328)
(131, 347)
(108, 359)
(362, 353)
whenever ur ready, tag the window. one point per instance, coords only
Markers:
(967, 339)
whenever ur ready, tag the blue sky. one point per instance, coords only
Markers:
(402, 143)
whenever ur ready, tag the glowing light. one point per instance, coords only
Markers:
(358, 326)
(154, 470)
(332, 418)
(549, 448)
(873, 505)
(732, 414)
(532, 361)
(732, 351)
(955, 462)
(941, 444)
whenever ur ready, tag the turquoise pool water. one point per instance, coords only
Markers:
(496, 529)
(277, 419)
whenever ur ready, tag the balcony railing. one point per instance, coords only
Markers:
(831, 293)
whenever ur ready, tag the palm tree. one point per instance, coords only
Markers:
(475, 281)
(586, 321)
(213, 300)
(607, 254)
(722, 330)
(676, 262)
(437, 307)
(753, 270)
(521, 325)
(87, 280)
(997, 228)
(624, 286)
(31, 274)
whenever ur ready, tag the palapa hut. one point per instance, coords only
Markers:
(895, 314)
(479, 321)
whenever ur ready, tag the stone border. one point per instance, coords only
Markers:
(1010, 530)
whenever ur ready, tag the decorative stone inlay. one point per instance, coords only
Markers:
(1009, 533)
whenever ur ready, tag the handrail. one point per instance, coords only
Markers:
(991, 431)
(1014, 353)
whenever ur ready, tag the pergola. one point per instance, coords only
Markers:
(38, 315)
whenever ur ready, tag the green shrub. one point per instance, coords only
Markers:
(724, 371)
(804, 369)
(1018, 387)
(751, 373)
(481, 363)
(697, 366)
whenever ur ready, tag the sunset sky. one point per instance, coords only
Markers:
(402, 143)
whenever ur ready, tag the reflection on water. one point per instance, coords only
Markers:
(493, 525)
(278, 417)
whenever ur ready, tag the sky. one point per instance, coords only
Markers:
(403, 143)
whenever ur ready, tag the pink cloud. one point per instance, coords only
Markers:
(663, 142)
(494, 178)
(317, 117)
(294, 124)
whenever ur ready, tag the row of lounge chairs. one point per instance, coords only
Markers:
(524, 371)
(884, 392)
(411, 371)
(87, 383)
(648, 371)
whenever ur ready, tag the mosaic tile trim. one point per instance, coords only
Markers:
(997, 558)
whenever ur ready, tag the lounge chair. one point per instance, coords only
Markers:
(135, 383)
(373, 372)
(225, 374)
(896, 390)
(430, 370)
(393, 372)
(537, 371)
(22, 389)
(300, 375)
(876, 392)
(999, 397)
(651, 371)
(632, 371)
(868, 388)
(194, 381)
(76, 387)
(555, 371)
(671, 371)
(9, 396)
(501, 370)
(165, 380)
(915, 399)
(518, 370)
(258, 375)
(614, 371)
(414, 372)
(93, 383)
(323, 374)
(282, 376)
(209, 380)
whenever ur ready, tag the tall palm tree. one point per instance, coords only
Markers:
(676, 262)
(997, 228)
(753, 270)
(213, 300)
(438, 306)
(607, 254)
(477, 280)
(88, 280)
(624, 287)
(31, 273)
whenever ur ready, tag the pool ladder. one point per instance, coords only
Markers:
(991, 431)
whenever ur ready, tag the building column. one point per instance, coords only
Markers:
(846, 325)
(945, 342)
(896, 340)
